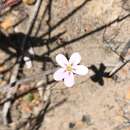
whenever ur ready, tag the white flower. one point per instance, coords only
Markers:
(69, 68)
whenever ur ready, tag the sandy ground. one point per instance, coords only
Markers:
(89, 27)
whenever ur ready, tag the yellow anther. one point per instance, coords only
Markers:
(69, 68)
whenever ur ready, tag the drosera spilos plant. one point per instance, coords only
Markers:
(69, 68)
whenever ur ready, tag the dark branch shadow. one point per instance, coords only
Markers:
(14, 42)
(40, 118)
(66, 17)
(98, 29)
(15, 39)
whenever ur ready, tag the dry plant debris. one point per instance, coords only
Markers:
(32, 33)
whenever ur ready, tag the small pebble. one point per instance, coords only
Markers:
(87, 119)
(71, 125)
(28, 62)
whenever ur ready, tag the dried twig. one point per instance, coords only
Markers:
(39, 117)
(32, 121)
(119, 66)
(124, 61)
(22, 81)
(11, 92)
(29, 31)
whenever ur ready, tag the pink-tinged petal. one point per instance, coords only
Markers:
(80, 70)
(69, 79)
(75, 58)
(61, 60)
(59, 74)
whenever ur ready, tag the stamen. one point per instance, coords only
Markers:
(69, 68)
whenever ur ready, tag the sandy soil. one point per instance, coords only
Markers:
(89, 27)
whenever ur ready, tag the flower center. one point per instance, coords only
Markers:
(69, 68)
